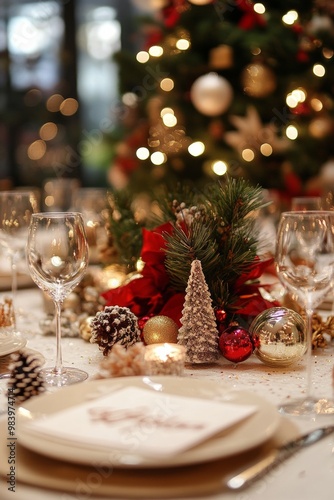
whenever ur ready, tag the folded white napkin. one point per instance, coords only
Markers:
(145, 422)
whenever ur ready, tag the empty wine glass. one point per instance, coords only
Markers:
(93, 204)
(16, 208)
(305, 203)
(305, 267)
(57, 253)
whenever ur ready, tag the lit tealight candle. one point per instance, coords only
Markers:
(165, 359)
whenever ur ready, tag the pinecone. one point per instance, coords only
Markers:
(114, 325)
(25, 379)
(123, 362)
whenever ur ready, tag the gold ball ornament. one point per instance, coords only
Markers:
(160, 329)
(321, 127)
(85, 328)
(258, 80)
(278, 335)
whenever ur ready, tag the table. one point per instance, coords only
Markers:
(307, 475)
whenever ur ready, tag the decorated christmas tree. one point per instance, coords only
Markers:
(198, 333)
(236, 86)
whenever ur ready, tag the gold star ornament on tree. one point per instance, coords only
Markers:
(251, 134)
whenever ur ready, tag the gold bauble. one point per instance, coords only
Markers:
(278, 335)
(321, 127)
(85, 329)
(258, 80)
(160, 329)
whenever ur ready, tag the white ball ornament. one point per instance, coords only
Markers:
(200, 2)
(327, 173)
(211, 94)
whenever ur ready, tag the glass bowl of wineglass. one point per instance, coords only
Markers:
(305, 267)
(16, 208)
(57, 254)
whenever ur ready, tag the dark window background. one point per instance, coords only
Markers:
(59, 87)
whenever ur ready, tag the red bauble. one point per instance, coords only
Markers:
(235, 344)
(220, 315)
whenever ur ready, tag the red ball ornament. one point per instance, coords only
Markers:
(220, 315)
(235, 344)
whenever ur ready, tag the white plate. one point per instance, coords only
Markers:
(10, 342)
(245, 435)
(23, 281)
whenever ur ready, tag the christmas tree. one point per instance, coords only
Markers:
(229, 86)
(198, 333)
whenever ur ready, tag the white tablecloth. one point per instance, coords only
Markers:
(307, 475)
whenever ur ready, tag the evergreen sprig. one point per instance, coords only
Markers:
(184, 246)
(223, 236)
(125, 230)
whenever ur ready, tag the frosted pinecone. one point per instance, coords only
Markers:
(114, 325)
(25, 379)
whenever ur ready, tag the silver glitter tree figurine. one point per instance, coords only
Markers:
(199, 332)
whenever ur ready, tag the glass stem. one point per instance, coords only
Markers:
(14, 289)
(59, 357)
(309, 367)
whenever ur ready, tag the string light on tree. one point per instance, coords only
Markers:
(291, 132)
(167, 84)
(158, 158)
(296, 97)
(142, 153)
(183, 44)
(156, 51)
(290, 17)
(142, 56)
(219, 167)
(259, 8)
(196, 148)
(319, 70)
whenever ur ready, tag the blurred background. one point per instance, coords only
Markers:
(59, 88)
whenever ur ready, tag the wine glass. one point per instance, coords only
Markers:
(305, 267)
(57, 253)
(93, 204)
(16, 208)
(305, 203)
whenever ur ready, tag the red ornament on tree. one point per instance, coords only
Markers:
(235, 344)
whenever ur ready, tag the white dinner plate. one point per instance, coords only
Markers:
(11, 342)
(243, 436)
(23, 281)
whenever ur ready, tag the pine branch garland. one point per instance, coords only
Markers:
(221, 234)
(125, 230)
(185, 246)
